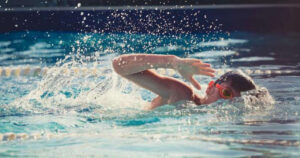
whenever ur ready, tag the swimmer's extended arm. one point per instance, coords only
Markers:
(133, 63)
(135, 67)
(187, 67)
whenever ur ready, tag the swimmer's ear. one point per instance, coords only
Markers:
(195, 83)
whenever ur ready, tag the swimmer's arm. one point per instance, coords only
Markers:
(168, 89)
(134, 63)
(135, 67)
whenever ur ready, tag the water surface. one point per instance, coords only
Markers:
(102, 115)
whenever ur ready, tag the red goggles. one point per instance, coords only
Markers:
(225, 93)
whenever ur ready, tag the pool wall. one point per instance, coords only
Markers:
(161, 20)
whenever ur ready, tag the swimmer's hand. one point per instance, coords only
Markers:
(187, 67)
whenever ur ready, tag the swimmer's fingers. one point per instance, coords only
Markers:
(210, 70)
(202, 65)
(195, 83)
(211, 74)
(191, 60)
(204, 69)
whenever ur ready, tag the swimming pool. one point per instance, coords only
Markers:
(60, 97)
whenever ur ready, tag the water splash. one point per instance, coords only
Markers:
(258, 98)
(62, 91)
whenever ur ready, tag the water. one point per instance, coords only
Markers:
(71, 109)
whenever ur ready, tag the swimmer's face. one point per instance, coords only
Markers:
(222, 91)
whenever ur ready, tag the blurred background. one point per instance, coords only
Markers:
(70, 3)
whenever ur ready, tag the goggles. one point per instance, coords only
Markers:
(225, 93)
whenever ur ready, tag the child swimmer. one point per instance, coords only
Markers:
(136, 68)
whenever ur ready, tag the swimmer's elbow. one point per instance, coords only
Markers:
(116, 65)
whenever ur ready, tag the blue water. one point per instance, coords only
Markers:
(67, 115)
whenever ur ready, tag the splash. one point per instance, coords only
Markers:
(258, 99)
(61, 90)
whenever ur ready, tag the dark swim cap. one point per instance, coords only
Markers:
(237, 80)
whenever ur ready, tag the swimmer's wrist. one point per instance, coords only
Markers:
(175, 63)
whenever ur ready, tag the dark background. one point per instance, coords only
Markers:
(70, 3)
(43, 15)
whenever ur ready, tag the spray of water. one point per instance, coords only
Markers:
(62, 91)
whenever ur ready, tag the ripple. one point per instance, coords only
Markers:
(257, 122)
(291, 133)
(7, 50)
(295, 143)
(170, 48)
(5, 43)
(254, 58)
(219, 53)
(20, 62)
(222, 43)
(42, 52)
(5, 57)
(40, 45)
(138, 122)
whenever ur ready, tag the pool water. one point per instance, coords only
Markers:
(70, 111)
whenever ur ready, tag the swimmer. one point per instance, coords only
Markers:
(137, 68)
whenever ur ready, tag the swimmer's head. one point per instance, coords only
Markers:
(228, 86)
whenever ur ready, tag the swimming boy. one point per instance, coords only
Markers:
(136, 68)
